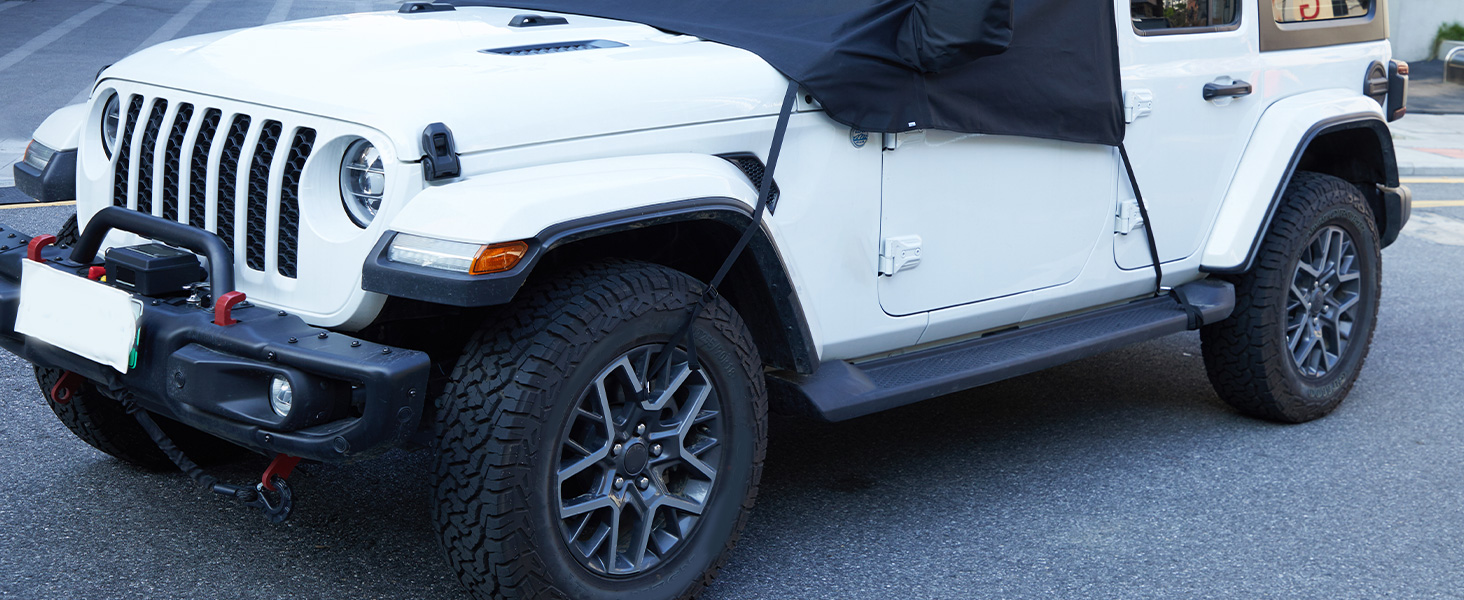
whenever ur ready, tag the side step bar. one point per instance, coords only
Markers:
(842, 390)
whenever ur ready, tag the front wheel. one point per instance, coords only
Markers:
(567, 469)
(1304, 316)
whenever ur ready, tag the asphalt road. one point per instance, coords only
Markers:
(1120, 476)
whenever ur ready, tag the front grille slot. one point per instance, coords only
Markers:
(124, 153)
(289, 229)
(198, 170)
(171, 167)
(201, 175)
(148, 150)
(228, 179)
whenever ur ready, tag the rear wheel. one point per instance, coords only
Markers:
(1305, 315)
(565, 469)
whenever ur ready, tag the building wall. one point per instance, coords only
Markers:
(1413, 23)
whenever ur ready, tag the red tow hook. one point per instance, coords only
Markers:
(224, 308)
(33, 249)
(96, 273)
(282, 466)
(67, 387)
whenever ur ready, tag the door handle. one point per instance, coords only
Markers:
(1232, 90)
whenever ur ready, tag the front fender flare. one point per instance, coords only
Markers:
(546, 206)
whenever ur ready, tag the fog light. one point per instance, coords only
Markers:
(281, 396)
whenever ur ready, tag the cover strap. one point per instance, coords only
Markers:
(1195, 319)
(764, 193)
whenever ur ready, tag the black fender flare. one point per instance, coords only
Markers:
(1395, 209)
(398, 280)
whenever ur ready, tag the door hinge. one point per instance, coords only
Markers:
(1129, 216)
(898, 254)
(1137, 103)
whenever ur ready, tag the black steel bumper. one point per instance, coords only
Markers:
(56, 183)
(352, 398)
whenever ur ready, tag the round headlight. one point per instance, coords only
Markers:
(281, 396)
(111, 122)
(363, 181)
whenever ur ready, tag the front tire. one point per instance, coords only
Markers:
(555, 478)
(1305, 315)
(104, 424)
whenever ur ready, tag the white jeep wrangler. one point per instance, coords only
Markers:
(581, 257)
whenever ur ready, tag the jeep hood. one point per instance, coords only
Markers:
(397, 73)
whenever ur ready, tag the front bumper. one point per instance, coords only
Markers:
(352, 398)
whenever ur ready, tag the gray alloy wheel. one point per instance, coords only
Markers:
(635, 474)
(1321, 309)
(1306, 312)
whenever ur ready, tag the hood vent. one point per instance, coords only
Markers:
(554, 48)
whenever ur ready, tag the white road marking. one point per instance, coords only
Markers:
(166, 32)
(8, 5)
(1436, 228)
(280, 11)
(51, 35)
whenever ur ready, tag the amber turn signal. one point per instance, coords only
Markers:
(498, 258)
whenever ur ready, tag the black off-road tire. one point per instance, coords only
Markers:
(69, 232)
(499, 424)
(103, 424)
(1247, 357)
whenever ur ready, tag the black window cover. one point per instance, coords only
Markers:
(1033, 68)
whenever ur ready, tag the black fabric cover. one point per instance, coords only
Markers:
(1034, 68)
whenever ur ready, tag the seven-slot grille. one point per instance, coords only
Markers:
(186, 145)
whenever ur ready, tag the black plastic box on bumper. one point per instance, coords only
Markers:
(351, 398)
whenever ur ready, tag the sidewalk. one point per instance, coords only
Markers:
(1429, 145)
(11, 152)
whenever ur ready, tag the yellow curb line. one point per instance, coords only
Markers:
(1436, 203)
(1432, 179)
(39, 204)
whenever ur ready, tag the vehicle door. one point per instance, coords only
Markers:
(1194, 89)
(988, 216)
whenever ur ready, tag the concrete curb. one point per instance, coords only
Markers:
(1411, 170)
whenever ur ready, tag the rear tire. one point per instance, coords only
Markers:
(543, 446)
(1305, 314)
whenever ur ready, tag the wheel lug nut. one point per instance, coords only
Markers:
(640, 429)
(656, 450)
(644, 483)
(616, 449)
(619, 483)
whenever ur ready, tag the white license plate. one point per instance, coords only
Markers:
(89, 319)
